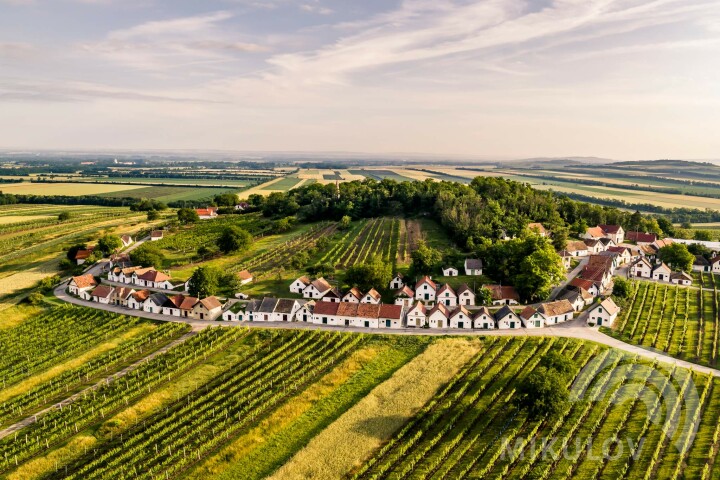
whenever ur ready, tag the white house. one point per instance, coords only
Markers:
(285, 310)
(531, 318)
(461, 318)
(156, 235)
(208, 308)
(155, 303)
(137, 299)
(316, 289)
(425, 290)
(417, 315)
(594, 246)
(152, 279)
(438, 316)
(681, 278)
(397, 282)
(299, 284)
(465, 295)
(557, 312)
(701, 264)
(121, 296)
(661, 272)
(715, 263)
(391, 316)
(473, 266)
(245, 277)
(484, 319)
(81, 284)
(538, 229)
(126, 240)
(405, 296)
(587, 285)
(577, 248)
(613, 232)
(507, 319)
(102, 294)
(206, 213)
(332, 295)
(354, 295)
(305, 312)
(447, 296)
(450, 272)
(603, 314)
(82, 255)
(373, 297)
(641, 268)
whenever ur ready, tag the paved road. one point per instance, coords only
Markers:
(568, 277)
(576, 328)
(105, 380)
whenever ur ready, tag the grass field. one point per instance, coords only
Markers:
(331, 405)
(680, 321)
(172, 194)
(72, 189)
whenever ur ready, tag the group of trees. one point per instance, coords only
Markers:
(544, 392)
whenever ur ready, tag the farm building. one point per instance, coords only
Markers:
(264, 311)
(438, 316)
(154, 303)
(391, 316)
(465, 295)
(354, 295)
(623, 255)
(305, 312)
(450, 272)
(507, 319)
(460, 318)
(715, 264)
(299, 285)
(583, 284)
(373, 297)
(81, 283)
(641, 238)
(566, 258)
(594, 246)
(245, 277)
(179, 306)
(425, 289)
(417, 315)
(503, 295)
(447, 296)
(156, 235)
(102, 294)
(473, 266)
(317, 289)
(208, 308)
(151, 278)
(701, 264)
(126, 240)
(531, 318)
(332, 295)
(577, 248)
(641, 268)
(405, 296)
(206, 213)
(557, 312)
(681, 278)
(397, 282)
(483, 319)
(603, 314)
(82, 255)
(121, 296)
(138, 298)
(661, 272)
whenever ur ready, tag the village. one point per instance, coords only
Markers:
(605, 251)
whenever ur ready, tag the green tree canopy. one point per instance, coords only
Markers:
(234, 239)
(226, 200)
(677, 256)
(484, 297)
(187, 215)
(543, 393)
(425, 260)
(621, 287)
(204, 282)
(109, 243)
(375, 273)
(148, 255)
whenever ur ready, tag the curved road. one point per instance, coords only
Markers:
(576, 328)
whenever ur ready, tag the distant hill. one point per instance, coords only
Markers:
(555, 162)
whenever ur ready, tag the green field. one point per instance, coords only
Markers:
(287, 183)
(681, 321)
(172, 194)
(381, 175)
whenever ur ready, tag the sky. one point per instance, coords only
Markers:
(621, 79)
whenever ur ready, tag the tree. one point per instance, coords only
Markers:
(204, 282)
(667, 227)
(72, 251)
(373, 274)
(109, 243)
(299, 260)
(538, 273)
(285, 224)
(152, 215)
(321, 270)
(64, 216)
(699, 249)
(345, 222)
(148, 255)
(677, 256)
(621, 287)
(234, 239)
(425, 259)
(560, 237)
(543, 393)
(203, 252)
(230, 282)
(562, 364)
(484, 297)
(187, 216)
(703, 235)
(226, 200)
(35, 298)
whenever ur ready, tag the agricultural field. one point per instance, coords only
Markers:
(73, 189)
(376, 236)
(341, 405)
(169, 194)
(680, 321)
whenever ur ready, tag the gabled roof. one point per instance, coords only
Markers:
(473, 264)
(581, 283)
(595, 232)
(483, 311)
(601, 261)
(640, 237)
(268, 305)
(564, 253)
(326, 308)
(204, 212)
(617, 249)
(503, 312)
(123, 292)
(458, 310)
(354, 292)
(183, 302)
(714, 260)
(84, 281)
(609, 305)
(141, 295)
(643, 260)
(610, 229)
(347, 309)
(332, 293)
(606, 241)
(449, 268)
(304, 280)
(663, 243)
(126, 238)
(594, 274)
(102, 291)
(609, 253)
(701, 261)
(419, 307)
(211, 303)
(156, 234)
(440, 308)
(285, 305)
(245, 275)
(680, 275)
(321, 285)
(661, 265)
(158, 299)
(537, 226)
(427, 280)
(405, 292)
(83, 254)
(392, 312)
(559, 307)
(374, 294)
(153, 276)
(447, 288)
(254, 305)
(398, 275)
(576, 246)
(499, 292)
(591, 242)
(527, 313)
(464, 288)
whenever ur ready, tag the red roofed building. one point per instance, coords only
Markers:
(641, 238)
(206, 213)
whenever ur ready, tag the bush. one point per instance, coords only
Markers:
(64, 216)
(35, 298)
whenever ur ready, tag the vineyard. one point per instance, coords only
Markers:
(683, 322)
(377, 236)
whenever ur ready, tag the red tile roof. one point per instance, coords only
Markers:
(327, 308)
(640, 237)
(84, 281)
(506, 292)
(427, 280)
(393, 312)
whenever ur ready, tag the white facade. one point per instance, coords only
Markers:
(425, 292)
(484, 321)
(641, 268)
(661, 273)
(510, 321)
(450, 272)
(298, 286)
(397, 283)
(460, 319)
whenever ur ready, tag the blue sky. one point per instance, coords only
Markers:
(489, 78)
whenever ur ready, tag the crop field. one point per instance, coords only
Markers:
(208, 182)
(334, 405)
(377, 236)
(284, 184)
(172, 193)
(73, 189)
(680, 321)
(378, 174)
